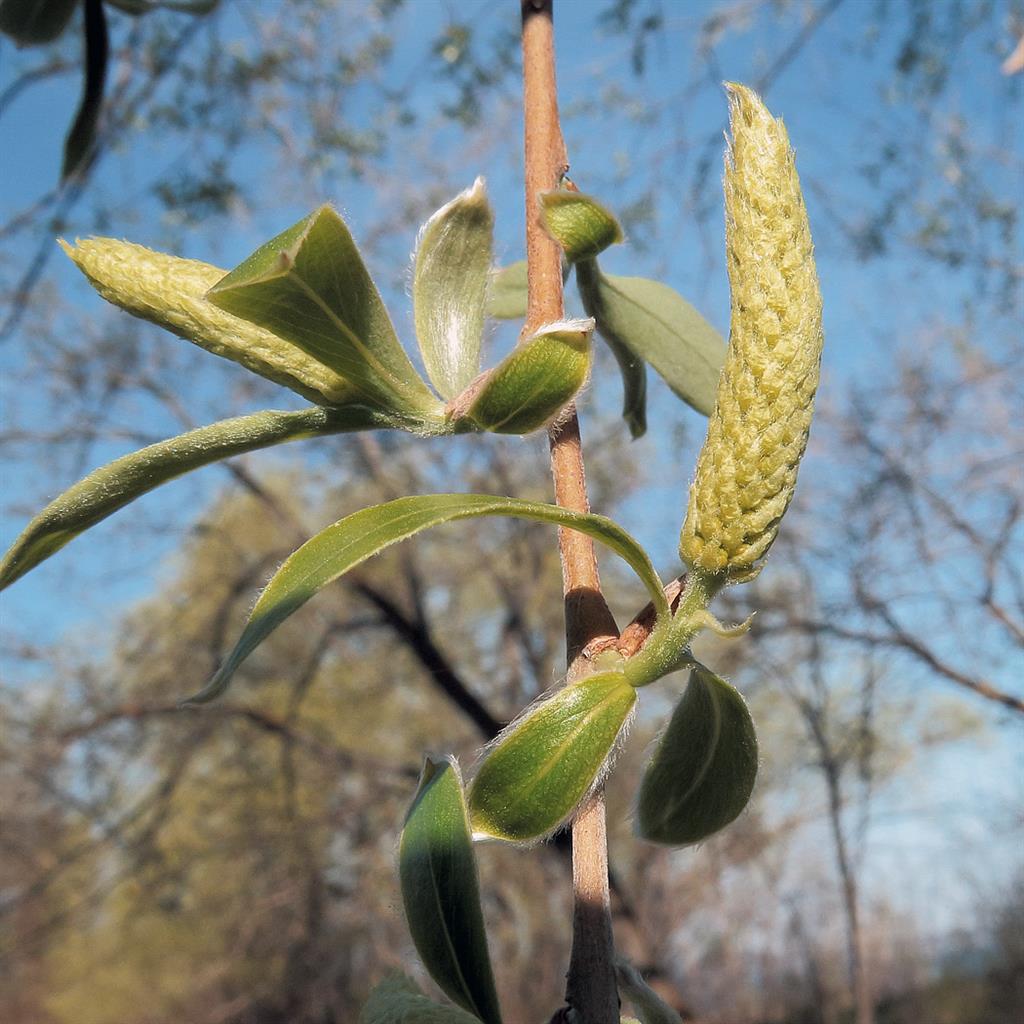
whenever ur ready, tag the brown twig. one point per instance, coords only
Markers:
(590, 986)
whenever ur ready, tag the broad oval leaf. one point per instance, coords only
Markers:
(449, 288)
(115, 485)
(655, 323)
(397, 1000)
(441, 893)
(578, 223)
(531, 385)
(540, 768)
(352, 540)
(31, 22)
(507, 292)
(702, 773)
(309, 286)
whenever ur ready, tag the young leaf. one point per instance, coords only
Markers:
(352, 540)
(171, 292)
(453, 260)
(113, 486)
(658, 325)
(578, 223)
(544, 764)
(309, 286)
(397, 1000)
(31, 22)
(702, 773)
(533, 383)
(506, 294)
(441, 893)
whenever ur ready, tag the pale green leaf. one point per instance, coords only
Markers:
(352, 540)
(309, 286)
(647, 1004)
(655, 323)
(532, 384)
(113, 486)
(449, 286)
(539, 769)
(31, 22)
(702, 773)
(578, 223)
(507, 292)
(397, 1000)
(441, 893)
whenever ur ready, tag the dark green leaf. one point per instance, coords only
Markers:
(397, 1000)
(31, 22)
(441, 893)
(507, 294)
(352, 540)
(702, 774)
(309, 286)
(658, 325)
(453, 261)
(81, 138)
(111, 487)
(137, 7)
(544, 764)
(579, 224)
(528, 388)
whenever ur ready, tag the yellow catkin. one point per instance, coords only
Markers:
(171, 292)
(747, 468)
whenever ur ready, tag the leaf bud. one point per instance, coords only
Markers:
(578, 223)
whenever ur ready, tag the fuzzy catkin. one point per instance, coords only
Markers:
(170, 292)
(746, 473)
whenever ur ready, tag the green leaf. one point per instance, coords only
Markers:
(441, 894)
(658, 325)
(81, 138)
(31, 22)
(539, 769)
(309, 286)
(578, 223)
(507, 293)
(528, 388)
(702, 773)
(354, 539)
(397, 1000)
(648, 1005)
(453, 261)
(113, 486)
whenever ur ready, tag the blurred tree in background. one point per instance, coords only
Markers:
(235, 864)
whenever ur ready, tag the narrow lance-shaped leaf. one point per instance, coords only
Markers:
(545, 763)
(702, 773)
(352, 540)
(507, 292)
(453, 261)
(397, 1000)
(81, 137)
(578, 223)
(528, 388)
(649, 1006)
(113, 486)
(441, 893)
(309, 285)
(655, 323)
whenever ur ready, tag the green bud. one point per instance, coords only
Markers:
(531, 386)
(541, 767)
(578, 223)
(702, 773)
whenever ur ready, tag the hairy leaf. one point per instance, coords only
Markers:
(352, 540)
(31, 22)
(578, 223)
(545, 763)
(534, 382)
(453, 261)
(506, 293)
(309, 286)
(113, 486)
(655, 323)
(441, 894)
(702, 773)
(397, 1000)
